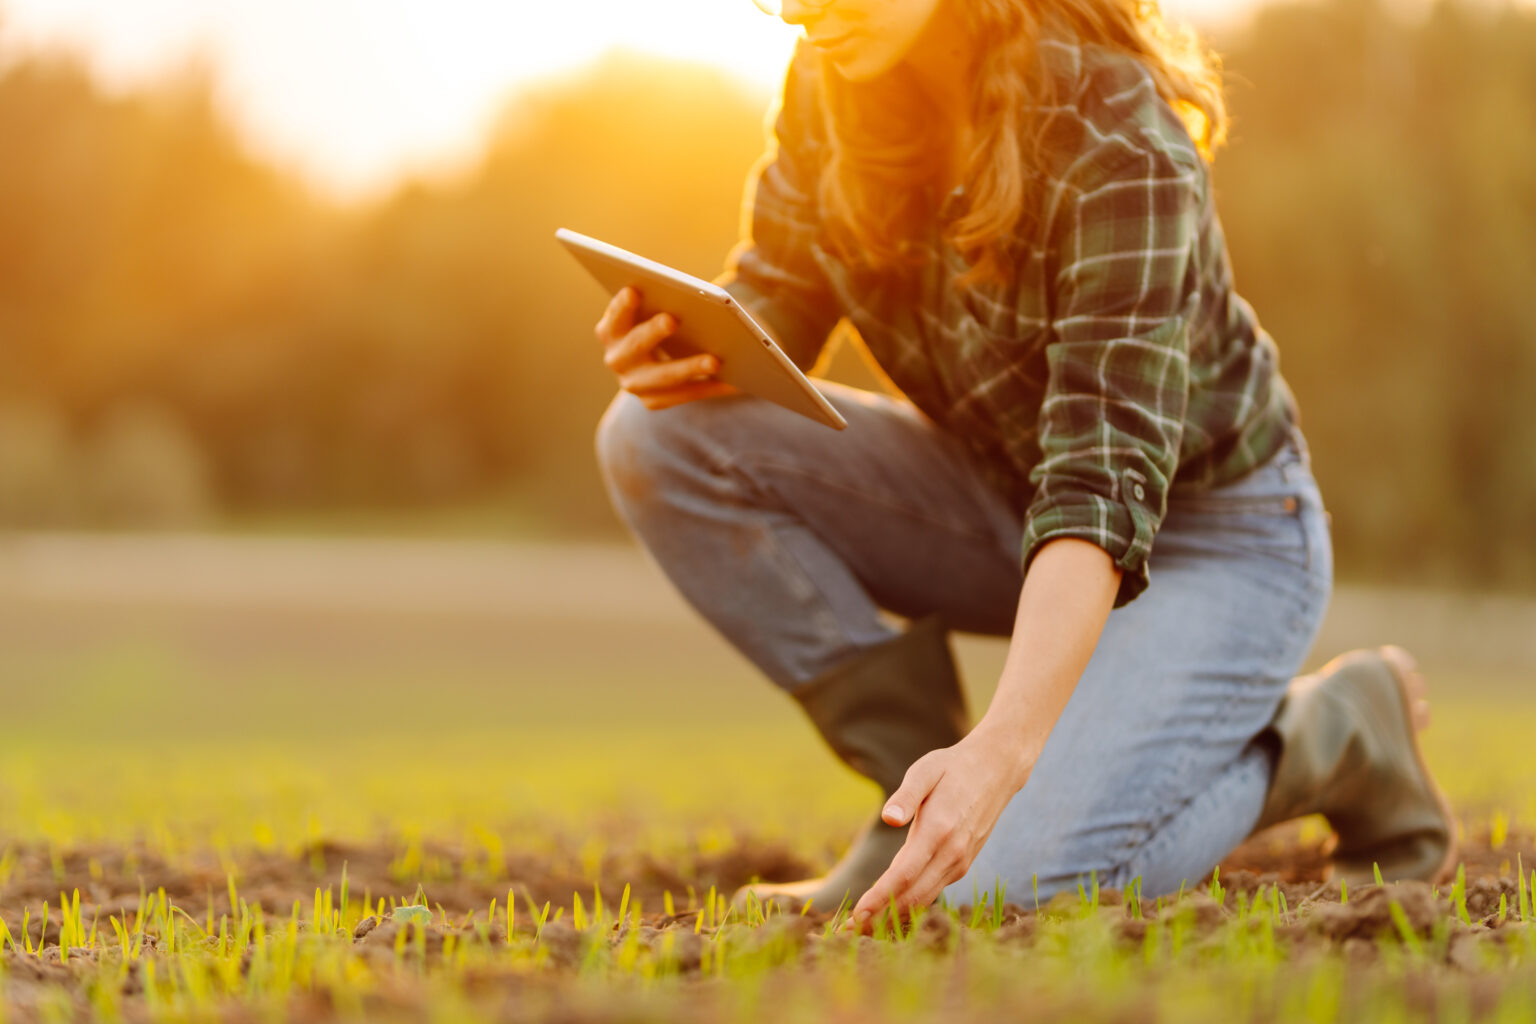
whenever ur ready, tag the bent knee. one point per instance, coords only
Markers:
(616, 427)
(635, 445)
(622, 447)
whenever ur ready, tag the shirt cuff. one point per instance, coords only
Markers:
(1123, 526)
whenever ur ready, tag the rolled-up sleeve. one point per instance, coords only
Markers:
(1112, 418)
(773, 271)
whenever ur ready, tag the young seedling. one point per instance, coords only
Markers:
(979, 907)
(1459, 894)
(833, 925)
(540, 916)
(1404, 929)
(1525, 896)
(754, 911)
(341, 919)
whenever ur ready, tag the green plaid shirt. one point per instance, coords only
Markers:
(1116, 366)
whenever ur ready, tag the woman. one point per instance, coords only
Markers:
(1010, 201)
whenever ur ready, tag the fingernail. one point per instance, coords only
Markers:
(894, 811)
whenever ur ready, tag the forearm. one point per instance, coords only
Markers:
(1064, 603)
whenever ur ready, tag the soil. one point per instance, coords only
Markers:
(109, 881)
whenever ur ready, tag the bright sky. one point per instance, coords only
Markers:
(355, 93)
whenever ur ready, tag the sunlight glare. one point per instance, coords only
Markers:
(355, 93)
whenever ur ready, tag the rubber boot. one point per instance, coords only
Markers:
(879, 713)
(1346, 748)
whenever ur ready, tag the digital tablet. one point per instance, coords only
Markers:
(709, 320)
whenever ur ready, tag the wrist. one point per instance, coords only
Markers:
(1009, 743)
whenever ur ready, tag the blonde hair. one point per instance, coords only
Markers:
(871, 188)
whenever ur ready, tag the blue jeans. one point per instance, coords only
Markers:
(789, 538)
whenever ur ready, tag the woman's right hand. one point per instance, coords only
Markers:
(629, 350)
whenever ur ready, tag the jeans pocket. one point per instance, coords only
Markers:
(1216, 503)
(1246, 522)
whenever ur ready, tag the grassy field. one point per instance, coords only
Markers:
(248, 797)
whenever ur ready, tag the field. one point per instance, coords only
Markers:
(228, 776)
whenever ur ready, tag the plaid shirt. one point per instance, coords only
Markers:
(1117, 366)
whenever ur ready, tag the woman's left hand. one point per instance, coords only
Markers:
(953, 797)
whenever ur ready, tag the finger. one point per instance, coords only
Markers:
(619, 316)
(618, 307)
(942, 870)
(650, 376)
(637, 346)
(655, 400)
(919, 781)
(949, 864)
(909, 864)
(939, 873)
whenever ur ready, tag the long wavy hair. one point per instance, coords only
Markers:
(882, 152)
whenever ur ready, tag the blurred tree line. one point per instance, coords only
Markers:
(187, 332)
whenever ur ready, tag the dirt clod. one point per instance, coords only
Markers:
(1369, 914)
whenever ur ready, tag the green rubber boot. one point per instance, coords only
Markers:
(879, 713)
(1347, 748)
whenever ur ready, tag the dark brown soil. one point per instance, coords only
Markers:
(1277, 868)
(112, 877)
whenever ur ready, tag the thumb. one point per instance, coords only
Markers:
(915, 787)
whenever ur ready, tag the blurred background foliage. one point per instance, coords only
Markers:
(192, 339)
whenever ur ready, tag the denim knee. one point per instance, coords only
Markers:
(637, 446)
(621, 448)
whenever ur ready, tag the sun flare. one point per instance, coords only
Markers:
(355, 93)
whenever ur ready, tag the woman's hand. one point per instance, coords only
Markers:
(629, 350)
(953, 797)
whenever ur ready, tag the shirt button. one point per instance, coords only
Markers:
(1139, 492)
